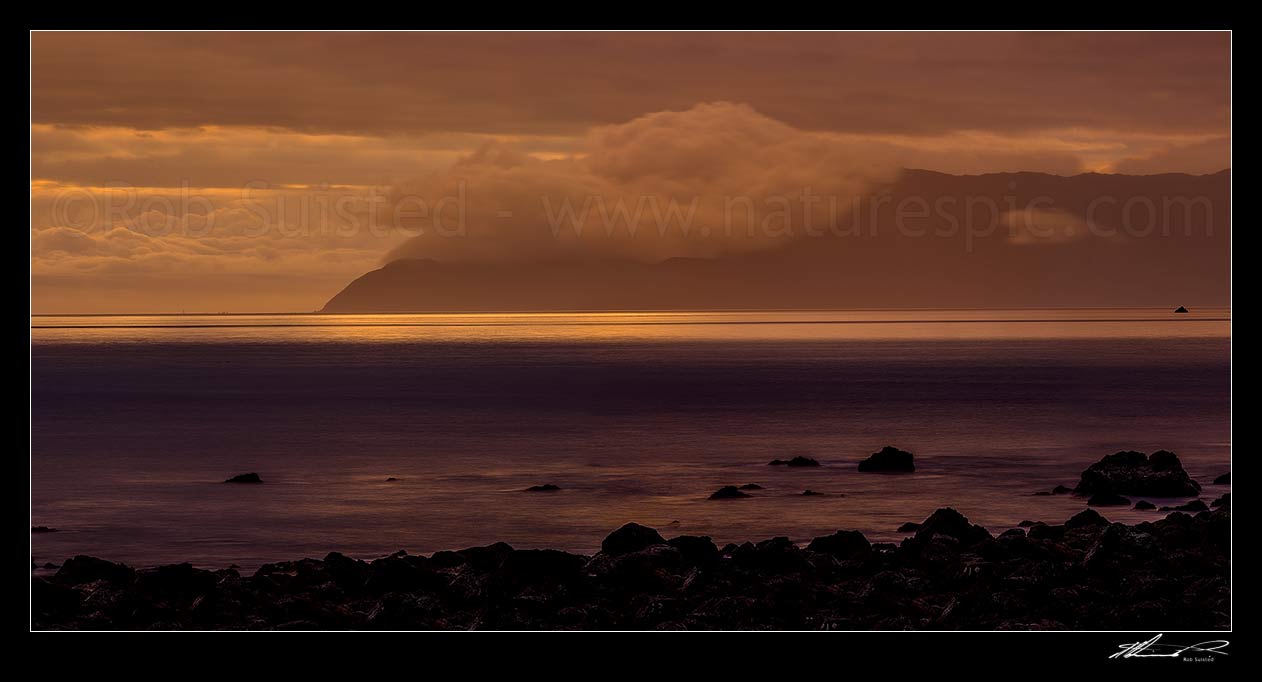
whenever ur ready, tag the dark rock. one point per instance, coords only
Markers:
(889, 459)
(1012, 533)
(545, 488)
(245, 478)
(541, 566)
(751, 486)
(43, 529)
(1087, 517)
(1223, 500)
(728, 492)
(487, 557)
(1107, 500)
(844, 544)
(810, 493)
(1133, 473)
(85, 569)
(696, 550)
(391, 479)
(1144, 505)
(1027, 524)
(798, 461)
(1062, 490)
(1193, 506)
(632, 537)
(909, 527)
(1043, 531)
(1225, 479)
(1180, 309)
(948, 522)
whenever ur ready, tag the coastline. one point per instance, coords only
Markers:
(1084, 573)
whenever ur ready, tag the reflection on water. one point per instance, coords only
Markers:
(136, 420)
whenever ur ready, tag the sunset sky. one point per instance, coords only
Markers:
(234, 172)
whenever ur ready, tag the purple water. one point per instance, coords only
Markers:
(137, 420)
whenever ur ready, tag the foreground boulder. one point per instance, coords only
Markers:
(890, 459)
(948, 522)
(632, 537)
(245, 478)
(844, 544)
(1134, 473)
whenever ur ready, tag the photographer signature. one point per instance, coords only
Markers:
(1152, 649)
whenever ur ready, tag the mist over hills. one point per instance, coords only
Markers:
(926, 239)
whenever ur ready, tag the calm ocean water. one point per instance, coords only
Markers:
(136, 420)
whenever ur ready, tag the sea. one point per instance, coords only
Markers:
(137, 420)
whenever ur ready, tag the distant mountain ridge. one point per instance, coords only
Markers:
(1184, 258)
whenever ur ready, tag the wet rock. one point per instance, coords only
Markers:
(1027, 524)
(889, 460)
(696, 550)
(84, 569)
(391, 479)
(798, 461)
(1087, 517)
(1062, 490)
(1107, 500)
(728, 492)
(1145, 505)
(1043, 531)
(245, 478)
(1193, 506)
(545, 488)
(1134, 473)
(1224, 479)
(1180, 309)
(951, 523)
(43, 529)
(632, 537)
(487, 557)
(1223, 500)
(844, 544)
(751, 486)
(810, 493)
(909, 527)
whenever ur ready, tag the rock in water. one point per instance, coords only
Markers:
(1193, 506)
(632, 537)
(1180, 309)
(844, 544)
(889, 459)
(43, 529)
(1107, 500)
(1225, 479)
(751, 486)
(1223, 501)
(798, 461)
(728, 492)
(245, 478)
(1145, 505)
(1134, 473)
(545, 488)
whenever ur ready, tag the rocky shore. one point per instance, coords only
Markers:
(1085, 573)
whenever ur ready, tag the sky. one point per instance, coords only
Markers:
(263, 171)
